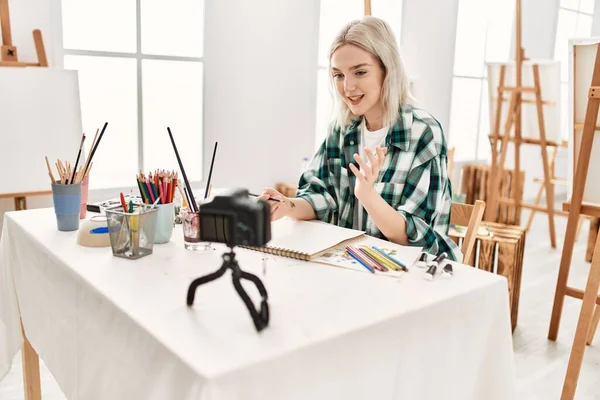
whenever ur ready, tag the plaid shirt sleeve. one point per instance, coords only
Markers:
(427, 199)
(315, 186)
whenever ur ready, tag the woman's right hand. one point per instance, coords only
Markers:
(279, 209)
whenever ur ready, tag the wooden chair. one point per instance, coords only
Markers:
(470, 216)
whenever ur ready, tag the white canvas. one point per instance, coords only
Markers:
(582, 54)
(550, 88)
(40, 115)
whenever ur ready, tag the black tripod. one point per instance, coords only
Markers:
(260, 317)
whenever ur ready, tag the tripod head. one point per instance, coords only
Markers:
(260, 316)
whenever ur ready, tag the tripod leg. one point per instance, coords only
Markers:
(260, 321)
(203, 279)
(259, 285)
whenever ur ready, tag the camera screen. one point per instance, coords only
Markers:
(214, 228)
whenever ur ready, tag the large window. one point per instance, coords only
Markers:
(140, 70)
(481, 36)
(334, 15)
(574, 20)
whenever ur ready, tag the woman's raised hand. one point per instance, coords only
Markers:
(369, 170)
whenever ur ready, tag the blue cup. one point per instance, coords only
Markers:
(165, 219)
(67, 205)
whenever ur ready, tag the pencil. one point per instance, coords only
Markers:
(376, 263)
(359, 259)
(193, 204)
(391, 258)
(50, 171)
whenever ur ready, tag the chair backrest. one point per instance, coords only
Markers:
(469, 216)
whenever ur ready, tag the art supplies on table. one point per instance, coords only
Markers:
(99, 207)
(94, 232)
(435, 265)
(131, 231)
(329, 244)
(159, 185)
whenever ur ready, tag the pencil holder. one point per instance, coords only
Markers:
(67, 203)
(84, 197)
(165, 219)
(191, 231)
(131, 234)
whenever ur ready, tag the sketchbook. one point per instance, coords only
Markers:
(325, 243)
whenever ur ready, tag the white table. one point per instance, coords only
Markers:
(109, 328)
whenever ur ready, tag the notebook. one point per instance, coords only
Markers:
(305, 240)
(325, 243)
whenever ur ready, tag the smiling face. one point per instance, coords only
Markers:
(358, 78)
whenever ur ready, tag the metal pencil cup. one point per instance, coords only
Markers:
(131, 234)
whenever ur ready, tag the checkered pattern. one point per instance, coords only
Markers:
(413, 180)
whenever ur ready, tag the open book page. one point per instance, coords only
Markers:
(308, 237)
(339, 257)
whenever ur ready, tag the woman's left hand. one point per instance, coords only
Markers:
(369, 171)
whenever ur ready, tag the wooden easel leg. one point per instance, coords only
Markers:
(583, 327)
(593, 326)
(546, 162)
(20, 203)
(581, 170)
(491, 208)
(31, 370)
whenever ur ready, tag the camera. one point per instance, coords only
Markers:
(236, 219)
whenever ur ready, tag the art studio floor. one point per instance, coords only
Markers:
(541, 364)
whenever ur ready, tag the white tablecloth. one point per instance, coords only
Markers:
(110, 328)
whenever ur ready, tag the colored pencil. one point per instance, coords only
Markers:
(359, 259)
(391, 258)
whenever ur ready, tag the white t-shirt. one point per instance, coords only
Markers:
(368, 139)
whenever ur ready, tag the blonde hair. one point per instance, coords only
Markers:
(375, 36)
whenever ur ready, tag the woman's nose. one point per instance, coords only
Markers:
(349, 85)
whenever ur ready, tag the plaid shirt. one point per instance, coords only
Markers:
(413, 180)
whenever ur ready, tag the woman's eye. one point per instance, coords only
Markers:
(360, 73)
(338, 76)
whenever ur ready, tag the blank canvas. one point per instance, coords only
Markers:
(582, 54)
(40, 115)
(550, 89)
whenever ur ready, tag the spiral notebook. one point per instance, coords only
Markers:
(305, 240)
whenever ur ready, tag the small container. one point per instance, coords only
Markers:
(165, 220)
(131, 234)
(67, 204)
(84, 197)
(191, 231)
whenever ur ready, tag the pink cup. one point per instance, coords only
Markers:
(84, 197)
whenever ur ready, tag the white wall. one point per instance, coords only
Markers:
(427, 43)
(25, 16)
(260, 89)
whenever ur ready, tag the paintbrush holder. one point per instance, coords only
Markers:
(131, 234)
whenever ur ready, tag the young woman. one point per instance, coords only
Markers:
(383, 165)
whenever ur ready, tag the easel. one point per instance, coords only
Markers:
(8, 58)
(514, 118)
(587, 324)
(367, 7)
(8, 52)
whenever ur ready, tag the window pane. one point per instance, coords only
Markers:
(335, 14)
(174, 28)
(391, 12)
(324, 106)
(572, 4)
(567, 24)
(107, 25)
(587, 6)
(108, 94)
(470, 38)
(464, 117)
(484, 149)
(584, 26)
(172, 96)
